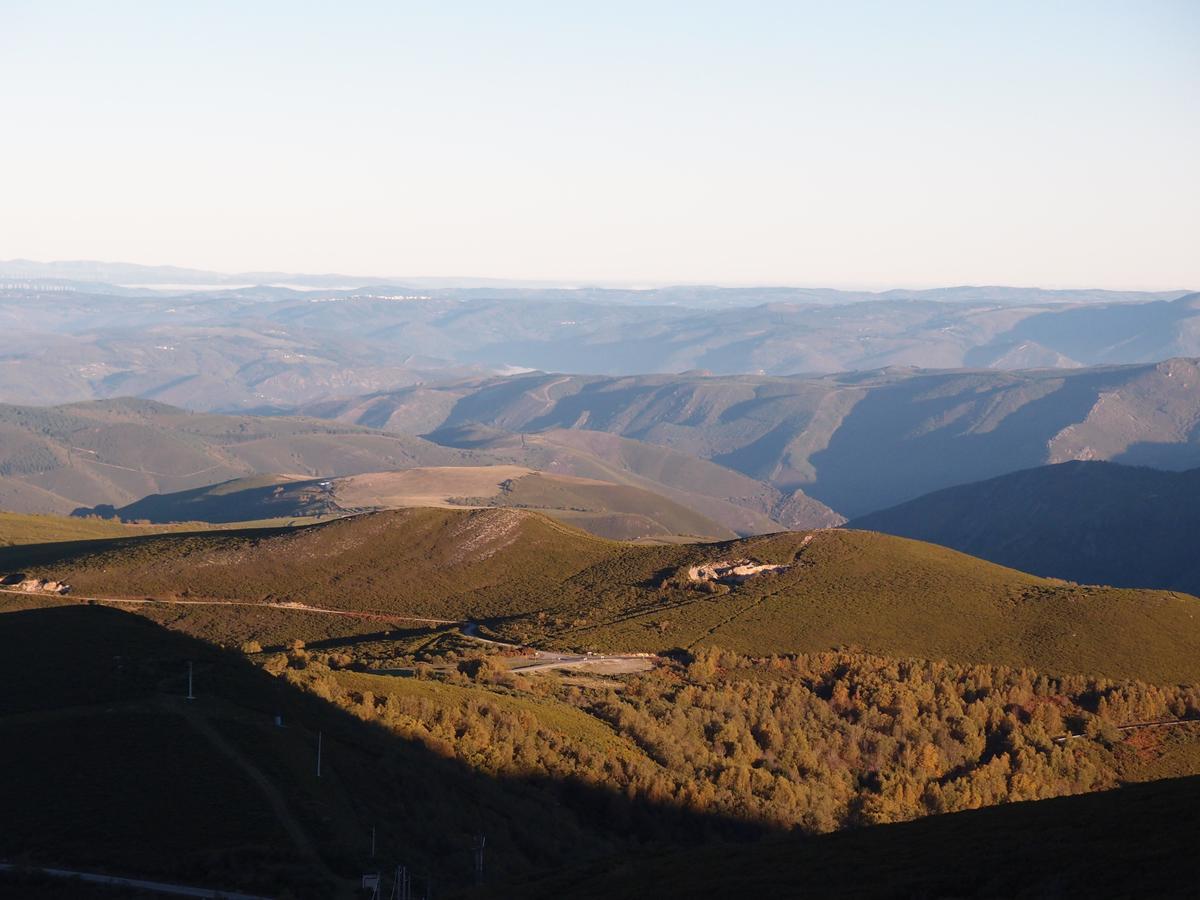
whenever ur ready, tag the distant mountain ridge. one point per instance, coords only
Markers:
(257, 344)
(856, 442)
(1092, 522)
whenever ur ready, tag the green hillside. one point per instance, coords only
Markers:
(534, 580)
(17, 529)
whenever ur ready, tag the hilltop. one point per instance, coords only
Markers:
(609, 510)
(534, 580)
(1087, 521)
(741, 503)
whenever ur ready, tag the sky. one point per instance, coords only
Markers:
(849, 144)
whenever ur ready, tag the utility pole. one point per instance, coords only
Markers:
(190, 695)
(372, 842)
(401, 885)
(318, 754)
(480, 841)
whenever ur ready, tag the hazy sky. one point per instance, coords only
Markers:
(864, 144)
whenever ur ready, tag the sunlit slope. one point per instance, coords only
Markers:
(530, 578)
(22, 529)
(427, 562)
(891, 596)
(17, 528)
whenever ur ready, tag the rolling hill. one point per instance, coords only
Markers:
(97, 457)
(532, 579)
(56, 459)
(610, 510)
(1094, 522)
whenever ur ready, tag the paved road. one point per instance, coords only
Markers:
(541, 660)
(161, 887)
(1134, 726)
(287, 605)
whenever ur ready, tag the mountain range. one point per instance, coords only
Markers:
(749, 452)
(856, 442)
(232, 344)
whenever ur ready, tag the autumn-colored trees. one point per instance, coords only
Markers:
(811, 742)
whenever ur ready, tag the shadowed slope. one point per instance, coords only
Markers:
(1088, 521)
(1132, 842)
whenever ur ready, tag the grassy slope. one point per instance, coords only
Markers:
(432, 562)
(18, 528)
(1068, 847)
(903, 598)
(534, 579)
